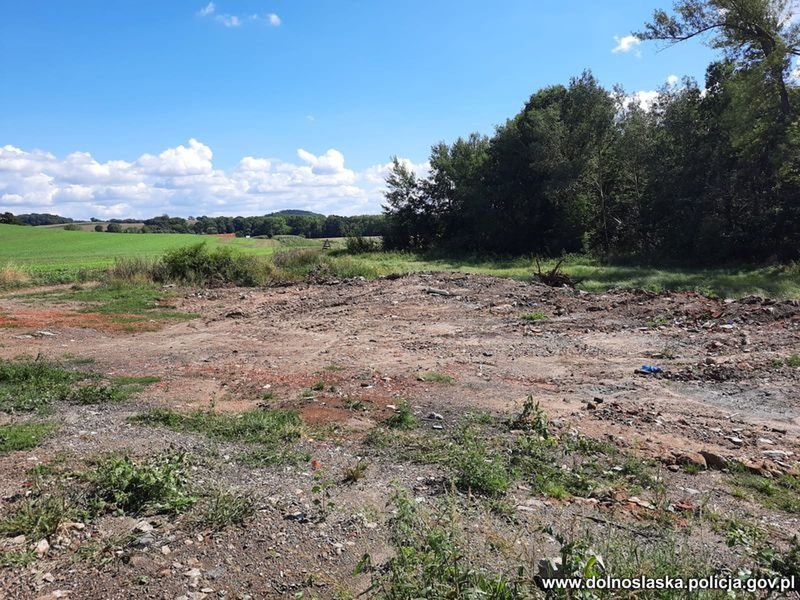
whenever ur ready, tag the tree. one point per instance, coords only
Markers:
(114, 228)
(758, 34)
(98, 228)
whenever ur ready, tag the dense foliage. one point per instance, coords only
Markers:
(310, 225)
(701, 174)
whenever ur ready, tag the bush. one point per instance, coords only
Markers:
(198, 265)
(358, 244)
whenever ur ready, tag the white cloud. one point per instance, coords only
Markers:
(626, 44)
(673, 80)
(210, 10)
(229, 20)
(183, 180)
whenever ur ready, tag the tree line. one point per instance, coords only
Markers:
(704, 173)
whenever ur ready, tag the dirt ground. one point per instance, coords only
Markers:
(721, 394)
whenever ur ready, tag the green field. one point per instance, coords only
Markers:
(49, 252)
(53, 254)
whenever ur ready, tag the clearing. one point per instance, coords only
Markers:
(302, 438)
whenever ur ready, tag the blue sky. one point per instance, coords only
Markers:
(117, 80)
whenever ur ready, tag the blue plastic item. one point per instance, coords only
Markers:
(651, 369)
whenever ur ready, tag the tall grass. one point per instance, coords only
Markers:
(12, 276)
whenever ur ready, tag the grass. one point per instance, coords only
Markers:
(781, 493)
(484, 457)
(792, 361)
(52, 255)
(225, 509)
(432, 559)
(23, 436)
(435, 377)
(37, 516)
(28, 385)
(534, 316)
(274, 431)
(126, 304)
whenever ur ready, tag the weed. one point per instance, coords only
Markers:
(534, 316)
(199, 265)
(322, 494)
(402, 418)
(532, 418)
(37, 516)
(273, 430)
(355, 473)
(27, 385)
(378, 438)
(658, 321)
(431, 560)
(792, 361)
(158, 485)
(224, 509)
(475, 468)
(782, 493)
(435, 377)
(354, 404)
(93, 394)
(9, 559)
(22, 436)
(318, 386)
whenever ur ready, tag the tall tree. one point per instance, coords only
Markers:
(752, 33)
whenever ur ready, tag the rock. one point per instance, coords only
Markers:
(436, 416)
(777, 453)
(692, 458)
(143, 526)
(714, 461)
(145, 540)
(548, 568)
(42, 548)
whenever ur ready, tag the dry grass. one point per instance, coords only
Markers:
(12, 276)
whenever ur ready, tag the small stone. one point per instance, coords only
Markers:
(143, 526)
(165, 550)
(436, 416)
(43, 547)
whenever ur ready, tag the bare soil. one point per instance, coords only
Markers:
(373, 341)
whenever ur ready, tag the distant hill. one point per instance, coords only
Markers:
(294, 211)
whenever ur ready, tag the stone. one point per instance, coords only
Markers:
(43, 547)
(713, 460)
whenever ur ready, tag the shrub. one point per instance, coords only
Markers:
(358, 244)
(198, 265)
